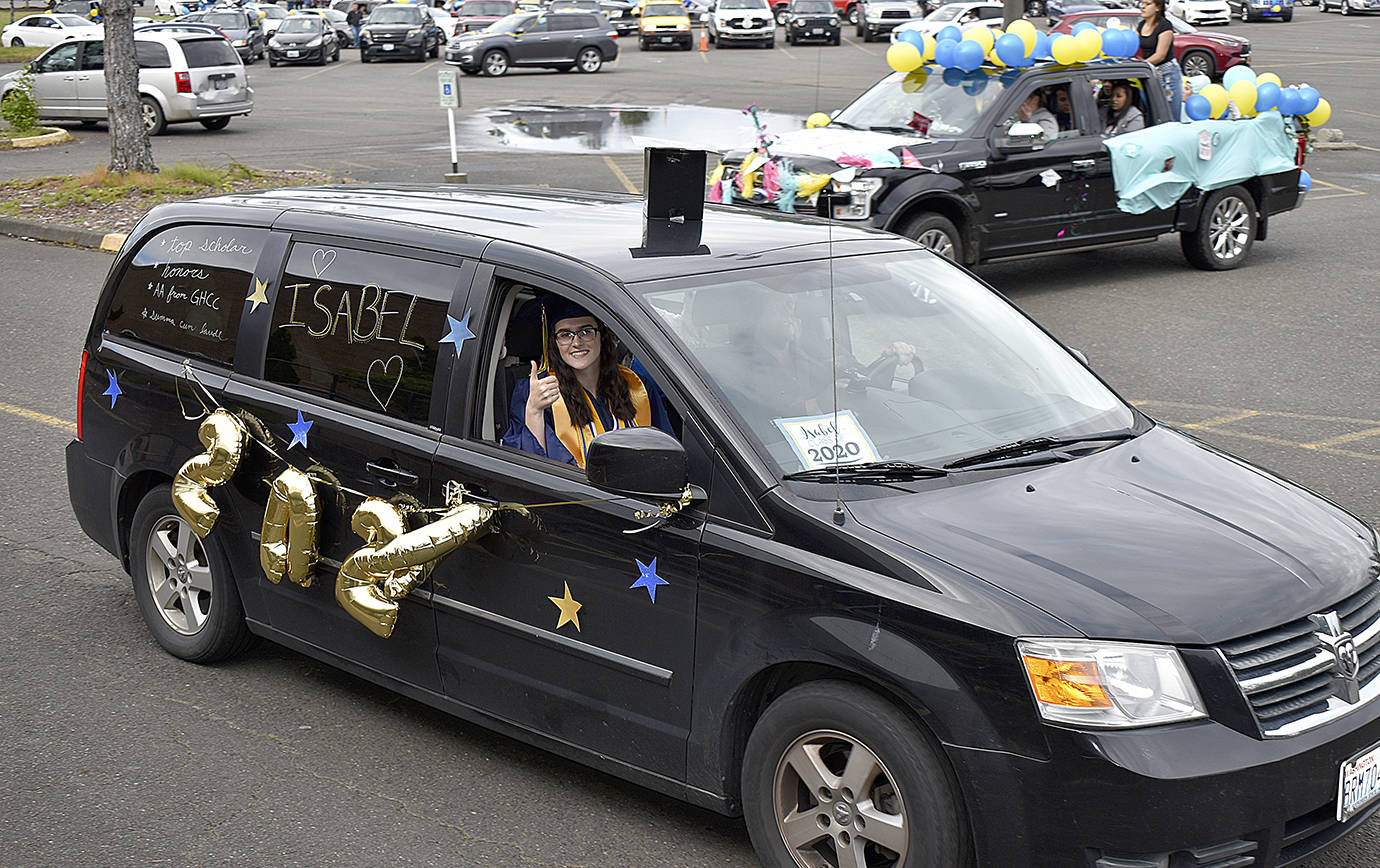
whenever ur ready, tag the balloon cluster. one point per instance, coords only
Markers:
(1019, 46)
(1254, 94)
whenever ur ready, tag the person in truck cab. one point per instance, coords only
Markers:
(1121, 115)
(1033, 111)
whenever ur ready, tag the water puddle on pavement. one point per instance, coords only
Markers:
(603, 129)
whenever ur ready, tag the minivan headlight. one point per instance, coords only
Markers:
(1111, 685)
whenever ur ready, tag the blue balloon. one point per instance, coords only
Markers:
(1305, 179)
(975, 83)
(1267, 96)
(1197, 107)
(968, 55)
(1083, 25)
(914, 37)
(1010, 49)
(1010, 77)
(949, 34)
(953, 76)
(1310, 97)
(1130, 43)
(1041, 45)
(1237, 73)
(944, 53)
(1111, 43)
(1290, 103)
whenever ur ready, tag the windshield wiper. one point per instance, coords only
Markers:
(870, 472)
(846, 126)
(899, 130)
(1036, 444)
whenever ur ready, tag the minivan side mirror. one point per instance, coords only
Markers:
(645, 463)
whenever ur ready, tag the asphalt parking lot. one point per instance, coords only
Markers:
(119, 754)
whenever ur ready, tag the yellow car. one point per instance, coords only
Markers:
(664, 24)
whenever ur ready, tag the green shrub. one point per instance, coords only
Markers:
(20, 106)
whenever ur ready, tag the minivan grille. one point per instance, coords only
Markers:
(1286, 672)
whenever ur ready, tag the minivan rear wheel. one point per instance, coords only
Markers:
(154, 122)
(836, 776)
(183, 584)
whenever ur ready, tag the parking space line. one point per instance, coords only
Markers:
(866, 51)
(622, 178)
(35, 416)
(1359, 112)
(1343, 438)
(321, 71)
(1346, 191)
(1283, 414)
(1222, 420)
(424, 67)
(1212, 426)
(783, 50)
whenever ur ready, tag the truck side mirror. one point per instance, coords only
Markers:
(1022, 137)
(645, 463)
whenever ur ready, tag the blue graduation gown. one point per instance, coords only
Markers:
(518, 437)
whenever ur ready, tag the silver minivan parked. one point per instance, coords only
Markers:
(183, 77)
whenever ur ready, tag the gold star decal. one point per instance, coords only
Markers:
(257, 296)
(568, 608)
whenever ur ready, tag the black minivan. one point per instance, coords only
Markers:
(899, 579)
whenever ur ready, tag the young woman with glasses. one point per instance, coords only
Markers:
(580, 391)
(1157, 47)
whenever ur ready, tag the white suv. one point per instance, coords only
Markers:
(742, 21)
(183, 76)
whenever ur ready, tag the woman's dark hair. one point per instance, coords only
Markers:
(612, 387)
(1159, 8)
(1113, 86)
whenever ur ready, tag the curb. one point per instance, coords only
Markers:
(93, 238)
(57, 136)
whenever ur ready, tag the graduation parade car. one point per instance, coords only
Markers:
(899, 578)
(941, 156)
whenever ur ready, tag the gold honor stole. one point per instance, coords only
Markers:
(574, 437)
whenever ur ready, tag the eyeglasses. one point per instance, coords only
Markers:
(584, 333)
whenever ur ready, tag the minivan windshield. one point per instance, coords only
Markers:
(926, 103)
(930, 365)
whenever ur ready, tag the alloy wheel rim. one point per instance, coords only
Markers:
(178, 575)
(589, 60)
(146, 111)
(836, 805)
(937, 241)
(496, 64)
(1196, 65)
(1229, 228)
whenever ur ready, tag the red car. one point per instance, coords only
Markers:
(1199, 53)
(478, 14)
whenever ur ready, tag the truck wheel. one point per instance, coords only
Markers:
(834, 776)
(936, 234)
(1225, 233)
(183, 584)
(1198, 63)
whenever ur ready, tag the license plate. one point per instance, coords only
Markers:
(386, 47)
(293, 53)
(818, 31)
(1359, 783)
(668, 39)
(221, 84)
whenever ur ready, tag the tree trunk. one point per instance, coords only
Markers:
(129, 142)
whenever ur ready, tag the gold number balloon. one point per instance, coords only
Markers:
(393, 561)
(223, 436)
(287, 542)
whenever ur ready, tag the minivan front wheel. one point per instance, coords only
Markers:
(495, 63)
(183, 584)
(152, 113)
(589, 60)
(836, 776)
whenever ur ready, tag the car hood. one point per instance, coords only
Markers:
(295, 38)
(821, 148)
(1219, 38)
(1161, 539)
(658, 20)
(392, 28)
(727, 14)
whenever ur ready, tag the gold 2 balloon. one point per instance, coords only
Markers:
(223, 436)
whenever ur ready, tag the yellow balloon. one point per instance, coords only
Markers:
(915, 81)
(818, 119)
(1318, 116)
(1217, 97)
(930, 45)
(1026, 31)
(1089, 44)
(903, 57)
(1064, 49)
(981, 35)
(1243, 94)
(994, 60)
(1268, 76)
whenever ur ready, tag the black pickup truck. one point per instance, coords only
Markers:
(974, 186)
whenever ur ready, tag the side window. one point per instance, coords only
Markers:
(1061, 101)
(1042, 106)
(541, 25)
(152, 55)
(93, 55)
(60, 59)
(1122, 105)
(185, 288)
(361, 327)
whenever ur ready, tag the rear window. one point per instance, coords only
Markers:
(152, 55)
(227, 20)
(185, 289)
(209, 52)
(362, 328)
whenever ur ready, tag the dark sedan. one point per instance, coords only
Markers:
(304, 39)
(555, 40)
(240, 27)
(399, 30)
(812, 21)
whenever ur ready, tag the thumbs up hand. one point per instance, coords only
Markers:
(543, 392)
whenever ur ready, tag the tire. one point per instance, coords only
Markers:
(436, 50)
(589, 60)
(838, 38)
(272, 63)
(835, 766)
(335, 55)
(935, 233)
(364, 58)
(770, 43)
(1288, 15)
(88, 124)
(17, 42)
(470, 71)
(642, 45)
(851, 16)
(1225, 232)
(183, 584)
(495, 64)
(1198, 63)
(321, 61)
(781, 13)
(1345, 7)
(154, 122)
(216, 123)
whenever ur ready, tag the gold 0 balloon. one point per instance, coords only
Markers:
(393, 561)
(223, 436)
(287, 542)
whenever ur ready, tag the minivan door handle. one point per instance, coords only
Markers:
(392, 476)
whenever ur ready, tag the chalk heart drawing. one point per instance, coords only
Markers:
(385, 379)
(321, 260)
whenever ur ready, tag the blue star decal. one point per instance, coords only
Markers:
(113, 390)
(649, 579)
(299, 431)
(459, 332)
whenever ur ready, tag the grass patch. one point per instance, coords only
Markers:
(19, 54)
(179, 181)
